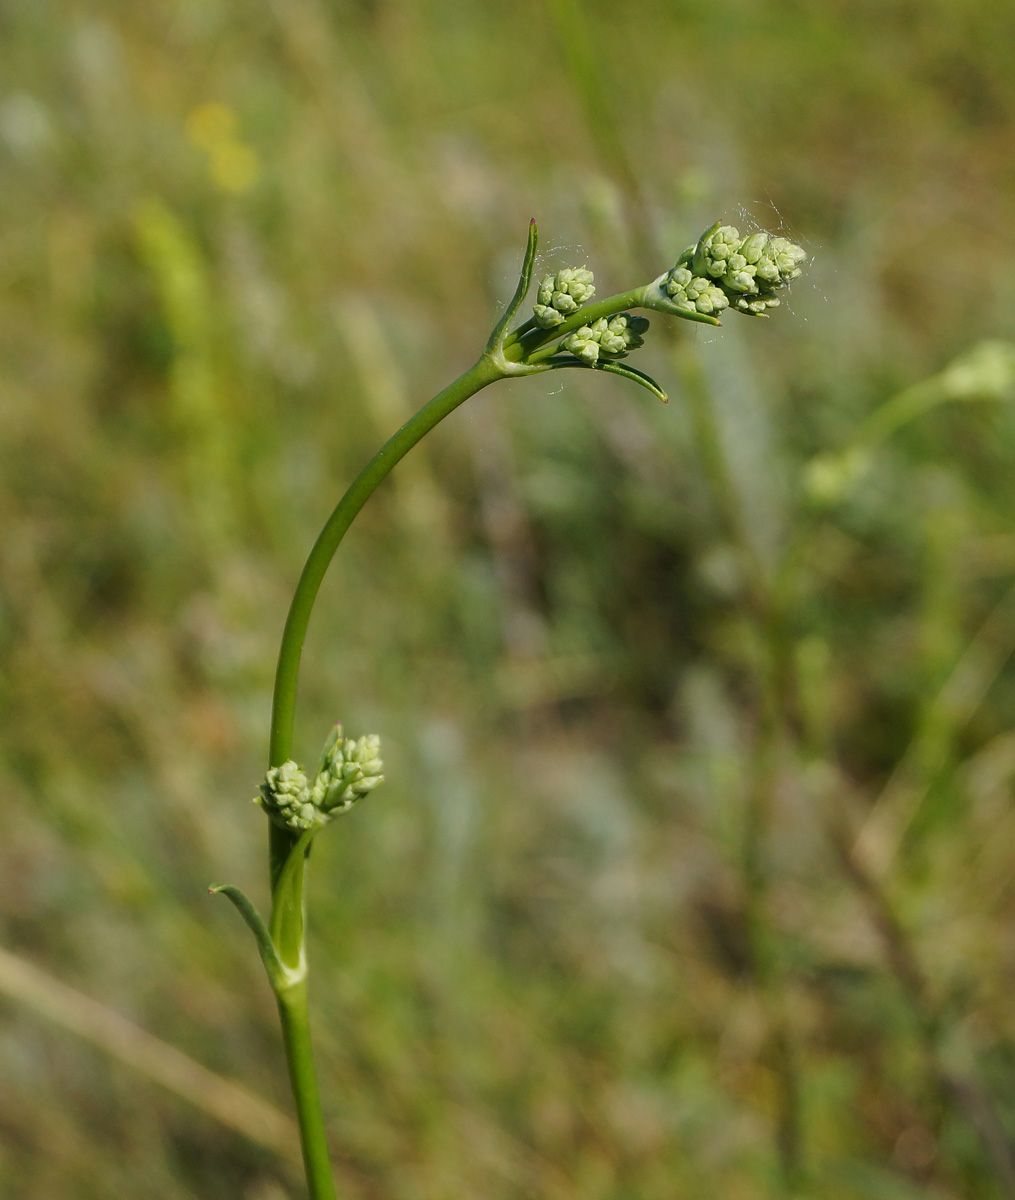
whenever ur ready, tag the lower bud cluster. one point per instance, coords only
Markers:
(349, 770)
(610, 339)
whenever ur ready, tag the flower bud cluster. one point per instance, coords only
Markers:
(562, 294)
(285, 797)
(349, 770)
(749, 270)
(693, 293)
(611, 339)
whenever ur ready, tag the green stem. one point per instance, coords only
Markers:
(288, 851)
(295, 1018)
(522, 329)
(287, 674)
(287, 927)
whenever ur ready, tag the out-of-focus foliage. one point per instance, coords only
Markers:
(693, 872)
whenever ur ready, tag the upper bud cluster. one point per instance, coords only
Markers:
(349, 770)
(750, 269)
(562, 294)
(612, 338)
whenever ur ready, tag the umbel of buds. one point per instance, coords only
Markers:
(562, 294)
(611, 338)
(285, 797)
(749, 270)
(724, 270)
(349, 770)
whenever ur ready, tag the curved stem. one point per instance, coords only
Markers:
(287, 673)
(287, 850)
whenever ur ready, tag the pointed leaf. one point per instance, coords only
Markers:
(701, 318)
(524, 282)
(636, 376)
(612, 368)
(698, 257)
(661, 304)
(266, 947)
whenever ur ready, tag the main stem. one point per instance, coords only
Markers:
(295, 1017)
(287, 926)
(359, 491)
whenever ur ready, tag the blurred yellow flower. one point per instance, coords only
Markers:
(209, 125)
(234, 167)
(232, 164)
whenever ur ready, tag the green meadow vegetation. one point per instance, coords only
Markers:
(693, 874)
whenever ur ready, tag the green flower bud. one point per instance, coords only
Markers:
(562, 294)
(754, 246)
(705, 296)
(693, 293)
(610, 338)
(739, 276)
(583, 344)
(677, 279)
(787, 257)
(577, 282)
(286, 798)
(716, 248)
(756, 305)
(623, 333)
(349, 770)
(546, 317)
(775, 260)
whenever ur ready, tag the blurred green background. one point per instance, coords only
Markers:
(693, 873)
